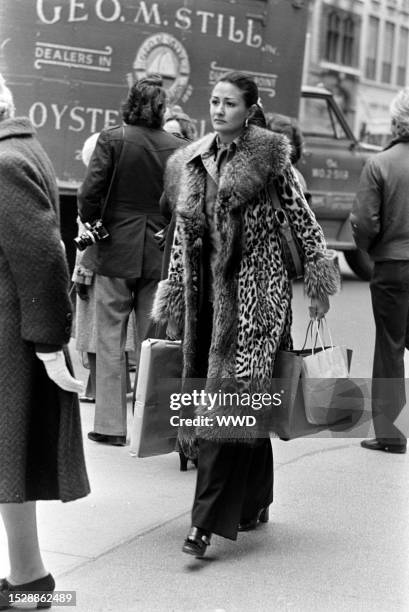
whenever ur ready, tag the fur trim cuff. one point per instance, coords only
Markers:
(322, 277)
(168, 303)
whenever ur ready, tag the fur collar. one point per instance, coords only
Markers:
(19, 126)
(260, 157)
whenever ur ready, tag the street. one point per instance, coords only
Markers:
(336, 540)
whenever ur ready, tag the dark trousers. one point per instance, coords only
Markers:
(234, 481)
(390, 304)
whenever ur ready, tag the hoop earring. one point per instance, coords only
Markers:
(246, 123)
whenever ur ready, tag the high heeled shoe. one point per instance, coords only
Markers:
(183, 461)
(262, 516)
(42, 587)
(196, 542)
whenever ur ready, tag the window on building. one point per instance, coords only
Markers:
(340, 38)
(333, 37)
(402, 56)
(348, 42)
(372, 48)
(389, 41)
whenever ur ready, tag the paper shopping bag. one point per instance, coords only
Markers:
(325, 383)
(160, 365)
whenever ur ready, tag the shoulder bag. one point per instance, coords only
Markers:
(290, 248)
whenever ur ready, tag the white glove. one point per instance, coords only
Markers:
(57, 370)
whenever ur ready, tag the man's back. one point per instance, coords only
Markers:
(132, 215)
(383, 201)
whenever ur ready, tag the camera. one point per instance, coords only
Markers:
(94, 232)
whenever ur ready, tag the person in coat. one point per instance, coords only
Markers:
(229, 297)
(85, 325)
(128, 263)
(180, 124)
(283, 124)
(41, 452)
(380, 224)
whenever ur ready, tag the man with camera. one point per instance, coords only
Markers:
(119, 203)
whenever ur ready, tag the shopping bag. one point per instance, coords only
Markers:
(160, 370)
(324, 375)
(288, 418)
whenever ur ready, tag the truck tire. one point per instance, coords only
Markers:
(360, 264)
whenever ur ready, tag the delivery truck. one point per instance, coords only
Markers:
(70, 63)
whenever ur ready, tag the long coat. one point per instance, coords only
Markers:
(252, 292)
(132, 214)
(41, 453)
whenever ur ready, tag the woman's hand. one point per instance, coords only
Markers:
(318, 308)
(173, 331)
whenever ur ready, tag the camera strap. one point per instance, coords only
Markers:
(111, 182)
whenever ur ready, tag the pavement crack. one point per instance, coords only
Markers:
(278, 466)
(125, 541)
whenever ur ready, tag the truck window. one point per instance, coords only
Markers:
(317, 118)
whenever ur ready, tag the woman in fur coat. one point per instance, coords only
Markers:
(228, 295)
(41, 452)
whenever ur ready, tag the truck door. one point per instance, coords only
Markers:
(332, 162)
(331, 165)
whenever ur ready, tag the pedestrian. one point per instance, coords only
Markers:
(179, 123)
(128, 263)
(41, 452)
(84, 328)
(228, 293)
(283, 124)
(380, 224)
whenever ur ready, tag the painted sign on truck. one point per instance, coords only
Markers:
(70, 62)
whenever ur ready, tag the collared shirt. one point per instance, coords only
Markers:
(224, 153)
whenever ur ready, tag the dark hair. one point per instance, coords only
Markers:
(282, 124)
(146, 102)
(243, 82)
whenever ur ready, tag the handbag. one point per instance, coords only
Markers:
(288, 419)
(290, 248)
(159, 375)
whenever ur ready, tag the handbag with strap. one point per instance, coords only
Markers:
(290, 248)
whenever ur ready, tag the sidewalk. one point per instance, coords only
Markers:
(336, 540)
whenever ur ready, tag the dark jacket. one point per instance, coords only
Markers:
(132, 216)
(41, 454)
(380, 216)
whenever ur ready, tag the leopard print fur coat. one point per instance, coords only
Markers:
(252, 292)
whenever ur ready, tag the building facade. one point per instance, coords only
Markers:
(359, 49)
